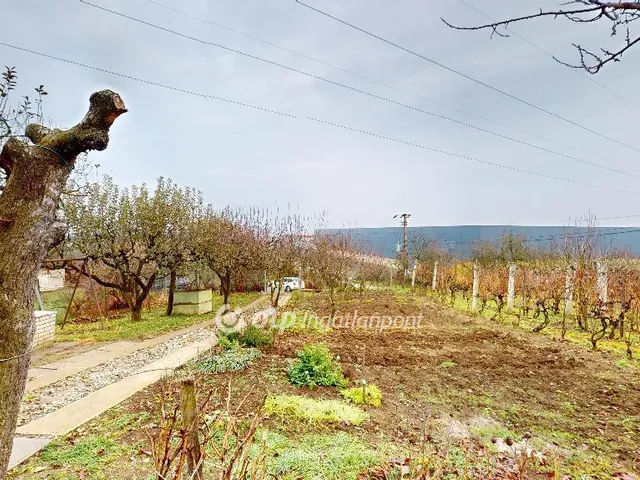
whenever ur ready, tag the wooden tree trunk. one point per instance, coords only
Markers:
(190, 424)
(141, 292)
(172, 289)
(276, 300)
(37, 174)
(225, 286)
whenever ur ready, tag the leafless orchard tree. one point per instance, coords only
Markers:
(227, 243)
(284, 240)
(36, 173)
(332, 258)
(620, 15)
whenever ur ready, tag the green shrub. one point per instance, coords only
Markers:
(305, 408)
(316, 366)
(250, 336)
(227, 342)
(373, 395)
(231, 360)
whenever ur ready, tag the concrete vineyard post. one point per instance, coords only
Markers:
(476, 284)
(413, 275)
(511, 287)
(434, 281)
(603, 281)
(568, 291)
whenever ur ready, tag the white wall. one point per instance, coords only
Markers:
(45, 327)
(50, 280)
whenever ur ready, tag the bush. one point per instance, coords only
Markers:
(227, 342)
(316, 366)
(305, 408)
(231, 360)
(373, 395)
(250, 336)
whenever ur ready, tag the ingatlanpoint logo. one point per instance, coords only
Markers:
(227, 320)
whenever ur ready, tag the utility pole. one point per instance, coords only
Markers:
(404, 254)
(404, 220)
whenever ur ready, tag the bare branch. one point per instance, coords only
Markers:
(505, 23)
(589, 11)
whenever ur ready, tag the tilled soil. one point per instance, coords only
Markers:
(529, 383)
(451, 374)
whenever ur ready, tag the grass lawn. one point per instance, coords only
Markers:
(154, 321)
(462, 396)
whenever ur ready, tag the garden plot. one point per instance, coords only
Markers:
(468, 397)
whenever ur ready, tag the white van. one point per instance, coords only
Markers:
(292, 283)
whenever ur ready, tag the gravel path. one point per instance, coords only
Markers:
(68, 390)
(52, 397)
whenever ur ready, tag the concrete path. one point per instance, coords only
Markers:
(24, 447)
(70, 417)
(44, 375)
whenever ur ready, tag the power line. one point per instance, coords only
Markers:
(580, 73)
(457, 155)
(468, 77)
(344, 70)
(317, 120)
(618, 217)
(357, 90)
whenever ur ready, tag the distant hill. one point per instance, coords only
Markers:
(383, 241)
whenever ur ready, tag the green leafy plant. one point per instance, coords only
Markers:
(305, 408)
(372, 395)
(231, 360)
(316, 367)
(250, 336)
(228, 342)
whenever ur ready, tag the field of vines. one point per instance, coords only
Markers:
(597, 304)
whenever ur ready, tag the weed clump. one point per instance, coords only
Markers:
(233, 359)
(315, 366)
(343, 456)
(305, 408)
(447, 364)
(250, 336)
(372, 395)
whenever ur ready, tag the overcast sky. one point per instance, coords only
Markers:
(242, 157)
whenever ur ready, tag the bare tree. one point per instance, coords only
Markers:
(284, 240)
(332, 259)
(227, 242)
(36, 173)
(620, 15)
(135, 233)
